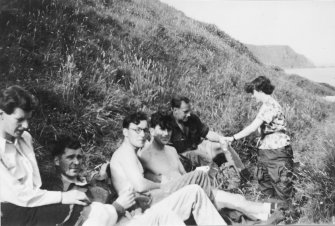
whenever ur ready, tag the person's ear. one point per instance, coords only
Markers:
(56, 161)
(125, 132)
(152, 131)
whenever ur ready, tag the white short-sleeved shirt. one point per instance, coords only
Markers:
(273, 129)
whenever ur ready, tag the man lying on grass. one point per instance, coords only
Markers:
(68, 158)
(127, 171)
(20, 181)
(162, 165)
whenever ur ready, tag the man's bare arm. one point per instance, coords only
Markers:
(130, 166)
(175, 156)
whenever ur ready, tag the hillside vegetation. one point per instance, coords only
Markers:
(91, 62)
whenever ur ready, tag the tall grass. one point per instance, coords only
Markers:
(92, 62)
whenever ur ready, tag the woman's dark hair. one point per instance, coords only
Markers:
(260, 83)
(163, 119)
(17, 97)
(176, 101)
(62, 142)
(135, 118)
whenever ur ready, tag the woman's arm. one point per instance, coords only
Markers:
(246, 131)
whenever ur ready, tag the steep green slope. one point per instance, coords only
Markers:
(91, 62)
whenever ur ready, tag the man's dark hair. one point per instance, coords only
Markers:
(62, 142)
(163, 119)
(135, 118)
(176, 101)
(260, 83)
(17, 97)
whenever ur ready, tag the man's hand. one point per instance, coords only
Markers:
(225, 140)
(126, 198)
(75, 197)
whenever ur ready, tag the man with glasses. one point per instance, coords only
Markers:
(127, 172)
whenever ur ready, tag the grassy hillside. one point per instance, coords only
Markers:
(91, 62)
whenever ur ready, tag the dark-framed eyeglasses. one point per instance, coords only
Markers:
(139, 130)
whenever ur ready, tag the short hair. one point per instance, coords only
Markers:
(62, 142)
(17, 97)
(176, 101)
(135, 118)
(260, 83)
(163, 119)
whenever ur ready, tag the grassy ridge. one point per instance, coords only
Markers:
(91, 62)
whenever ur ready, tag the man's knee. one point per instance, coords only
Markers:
(194, 190)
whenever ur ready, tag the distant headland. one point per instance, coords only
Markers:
(280, 55)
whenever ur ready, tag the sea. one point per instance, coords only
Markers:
(318, 74)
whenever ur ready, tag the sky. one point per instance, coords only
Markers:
(307, 26)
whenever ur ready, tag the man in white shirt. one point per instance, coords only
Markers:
(20, 192)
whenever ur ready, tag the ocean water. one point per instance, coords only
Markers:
(324, 75)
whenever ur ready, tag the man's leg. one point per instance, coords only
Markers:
(195, 177)
(190, 199)
(153, 218)
(98, 214)
(238, 202)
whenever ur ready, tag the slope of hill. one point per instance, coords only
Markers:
(91, 62)
(282, 56)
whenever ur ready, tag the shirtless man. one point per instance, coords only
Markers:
(127, 171)
(162, 164)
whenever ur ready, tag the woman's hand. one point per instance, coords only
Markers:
(225, 140)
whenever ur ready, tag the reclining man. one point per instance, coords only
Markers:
(127, 171)
(68, 158)
(161, 163)
(194, 140)
(20, 181)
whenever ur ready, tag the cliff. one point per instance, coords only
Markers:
(278, 55)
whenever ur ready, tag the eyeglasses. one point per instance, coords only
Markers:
(139, 130)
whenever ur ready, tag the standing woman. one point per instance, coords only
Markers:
(275, 155)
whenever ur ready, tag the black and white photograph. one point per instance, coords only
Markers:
(167, 112)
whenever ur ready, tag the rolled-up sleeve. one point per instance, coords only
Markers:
(12, 191)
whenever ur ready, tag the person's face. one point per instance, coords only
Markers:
(13, 125)
(181, 114)
(70, 163)
(160, 135)
(136, 134)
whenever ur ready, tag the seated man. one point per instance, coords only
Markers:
(127, 171)
(161, 163)
(68, 158)
(20, 181)
(194, 140)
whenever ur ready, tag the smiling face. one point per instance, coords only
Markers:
(161, 136)
(136, 134)
(181, 114)
(13, 125)
(70, 163)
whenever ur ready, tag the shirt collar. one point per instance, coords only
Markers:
(81, 181)
(3, 143)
